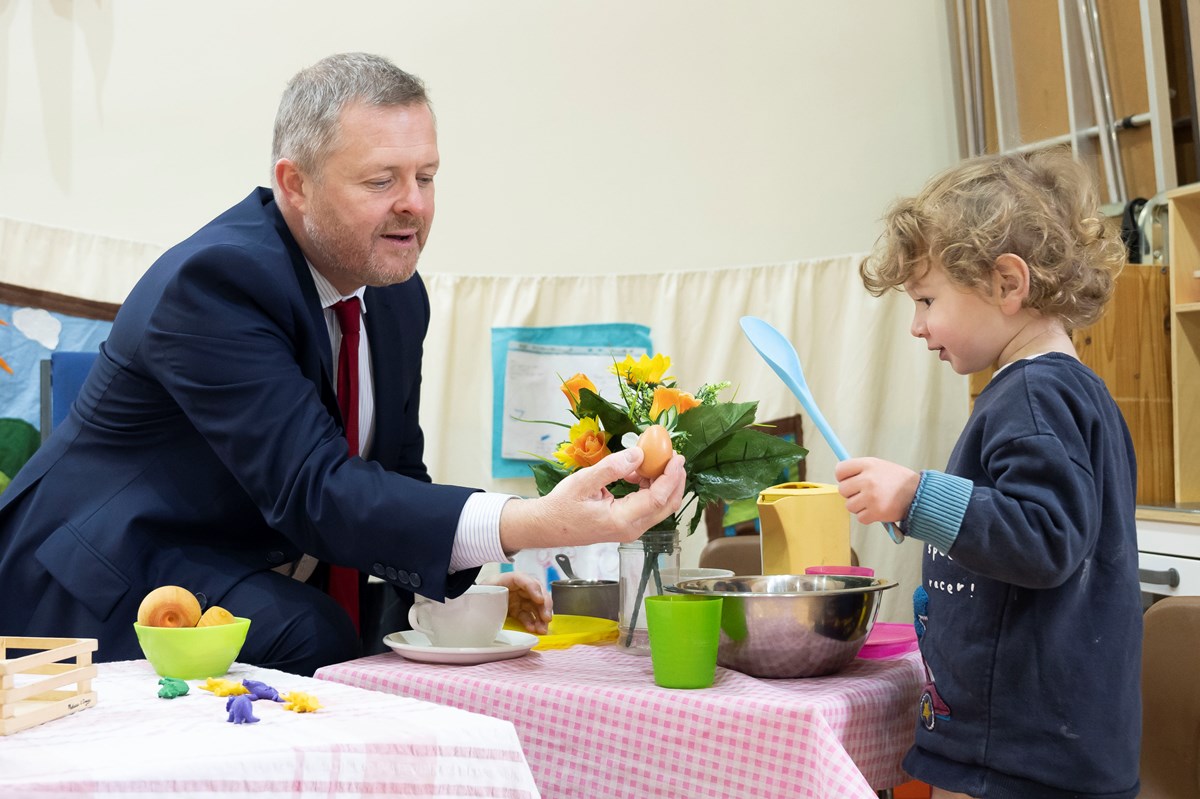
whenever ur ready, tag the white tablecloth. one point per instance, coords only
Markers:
(360, 743)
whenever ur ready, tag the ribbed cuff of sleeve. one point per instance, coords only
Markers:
(938, 509)
(477, 538)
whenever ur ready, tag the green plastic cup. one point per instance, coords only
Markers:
(684, 631)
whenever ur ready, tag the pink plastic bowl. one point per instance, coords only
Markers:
(855, 571)
(888, 640)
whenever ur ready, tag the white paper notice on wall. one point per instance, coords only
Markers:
(533, 398)
(528, 367)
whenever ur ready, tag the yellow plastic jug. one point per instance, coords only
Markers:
(803, 524)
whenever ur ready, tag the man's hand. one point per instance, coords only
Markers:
(581, 510)
(528, 602)
(876, 490)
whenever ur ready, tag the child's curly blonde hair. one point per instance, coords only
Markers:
(1041, 206)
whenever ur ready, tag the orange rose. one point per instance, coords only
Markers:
(587, 447)
(671, 398)
(571, 388)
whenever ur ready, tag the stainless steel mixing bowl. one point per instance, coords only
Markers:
(791, 625)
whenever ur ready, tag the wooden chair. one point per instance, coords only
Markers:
(738, 546)
(741, 554)
(1170, 767)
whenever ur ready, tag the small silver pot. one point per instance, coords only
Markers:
(599, 598)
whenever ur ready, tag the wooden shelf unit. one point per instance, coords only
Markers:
(1129, 349)
(1183, 238)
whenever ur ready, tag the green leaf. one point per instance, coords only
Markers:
(547, 475)
(738, 511)
(742, 464)
(620, 488)
(613, 418)
(707, 425)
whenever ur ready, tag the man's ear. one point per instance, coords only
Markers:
(1011, 282)
(292, 183)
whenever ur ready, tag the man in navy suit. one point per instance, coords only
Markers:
(207, 450)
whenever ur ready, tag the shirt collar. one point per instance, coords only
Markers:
(1022, 358)
(328, 295)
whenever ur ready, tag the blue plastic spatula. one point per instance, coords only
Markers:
(781, 356)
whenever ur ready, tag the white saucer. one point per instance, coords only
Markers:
(415, 646)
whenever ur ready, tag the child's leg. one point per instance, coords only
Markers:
(938, 793)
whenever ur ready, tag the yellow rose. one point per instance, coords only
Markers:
(571, 388)
(671, 398)
(587, 447)
(644, 370)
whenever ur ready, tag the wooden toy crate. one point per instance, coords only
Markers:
(28, 684)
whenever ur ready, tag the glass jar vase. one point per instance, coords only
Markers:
(647, 566)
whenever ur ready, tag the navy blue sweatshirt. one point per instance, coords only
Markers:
(1029, 611)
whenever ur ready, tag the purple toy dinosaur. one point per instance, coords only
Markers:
(260, 690)
(241, 709)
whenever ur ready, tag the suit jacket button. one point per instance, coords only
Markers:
(402, 576)
(275, 557)
(378, 569)
(414, 580)
(391, 573)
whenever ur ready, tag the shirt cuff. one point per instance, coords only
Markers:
(477, 538)
(938, 508)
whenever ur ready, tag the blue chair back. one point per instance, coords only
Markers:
(65, 376)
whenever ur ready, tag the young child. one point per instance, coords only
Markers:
(1029, 611)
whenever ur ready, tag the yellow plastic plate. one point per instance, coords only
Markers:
(567, 631)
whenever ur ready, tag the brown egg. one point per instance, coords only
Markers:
(655, 443)
(169, 606)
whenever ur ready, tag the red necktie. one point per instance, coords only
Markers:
(343, 582)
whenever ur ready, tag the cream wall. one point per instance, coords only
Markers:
(576, 137)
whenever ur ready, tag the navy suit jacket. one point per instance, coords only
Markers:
(206, 445)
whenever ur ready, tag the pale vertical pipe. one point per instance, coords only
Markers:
(1097, 102)
(1110, 116)
(970, 98)
(1158, 90)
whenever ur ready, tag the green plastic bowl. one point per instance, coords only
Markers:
(193, 653)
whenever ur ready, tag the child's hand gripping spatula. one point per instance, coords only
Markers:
(781, 356)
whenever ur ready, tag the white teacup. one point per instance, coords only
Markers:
(471, 620)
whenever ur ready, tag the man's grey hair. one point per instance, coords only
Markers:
(306, 124)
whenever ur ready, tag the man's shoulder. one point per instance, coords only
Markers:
(252, 232)
(247, 246)
(256, 219)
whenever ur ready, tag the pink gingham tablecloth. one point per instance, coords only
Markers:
(359, 743)
(593, 724)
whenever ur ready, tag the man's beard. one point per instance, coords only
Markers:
(338, 249)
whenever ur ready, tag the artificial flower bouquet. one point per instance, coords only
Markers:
(726, 457)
